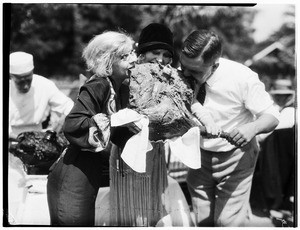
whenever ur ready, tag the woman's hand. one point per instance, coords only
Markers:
(132, 127)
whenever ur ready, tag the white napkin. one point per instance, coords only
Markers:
(134, 152)
(187, 148)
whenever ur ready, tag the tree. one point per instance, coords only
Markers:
(56, 33)
(233, 24)
(280, 62)
(44, 30)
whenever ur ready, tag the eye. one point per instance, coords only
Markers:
(124, 57)
(167, 55)
(155, 52)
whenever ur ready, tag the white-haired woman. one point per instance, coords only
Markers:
(74, 181)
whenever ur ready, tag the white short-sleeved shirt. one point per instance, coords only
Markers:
(28, 111)
(234, 96)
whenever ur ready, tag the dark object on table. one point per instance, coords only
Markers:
(39, 150)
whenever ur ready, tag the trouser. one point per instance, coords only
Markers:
(220, 189)
(72, 188)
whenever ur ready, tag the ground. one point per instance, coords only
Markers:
(35, 208)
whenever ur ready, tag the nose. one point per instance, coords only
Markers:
(159, 58)
(26, 86)
(132, 58)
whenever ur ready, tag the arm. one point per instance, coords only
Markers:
(204, 116)
(60, 106)
(242, 135)
(91, 101)
(257, 101)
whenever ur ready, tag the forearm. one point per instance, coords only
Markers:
(76, 130)
(265, 123)
(201, 114)
(244, 134)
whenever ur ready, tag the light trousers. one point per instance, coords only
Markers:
(220, 189)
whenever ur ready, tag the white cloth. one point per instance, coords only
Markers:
(134, 152)
(28, 111)
(187, 148)
(17, 190)
(234, 95)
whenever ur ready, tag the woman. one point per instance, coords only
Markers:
(74, 181)
(151, 198)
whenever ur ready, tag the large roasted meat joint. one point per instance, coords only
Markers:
(165, 96)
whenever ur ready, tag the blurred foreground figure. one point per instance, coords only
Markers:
(32, 97)
(275, 171)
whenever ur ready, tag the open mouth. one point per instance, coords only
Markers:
(129, 69)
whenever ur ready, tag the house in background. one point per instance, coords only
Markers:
(274, 62)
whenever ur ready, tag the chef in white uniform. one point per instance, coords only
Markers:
(32, 97)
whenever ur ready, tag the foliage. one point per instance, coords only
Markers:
(233, 24)
(43, 30)
(281, 62)
(56, 33)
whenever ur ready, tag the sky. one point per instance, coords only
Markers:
(269, 18)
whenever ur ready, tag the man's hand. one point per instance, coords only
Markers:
(213, 130)
(242, 135)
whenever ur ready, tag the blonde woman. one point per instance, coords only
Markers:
(74, 181)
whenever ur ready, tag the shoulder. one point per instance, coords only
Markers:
(234, 65)
(96, 85)
(237, 71)
(42, 81)
(97, 82)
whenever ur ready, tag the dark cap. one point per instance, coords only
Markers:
(155, 36)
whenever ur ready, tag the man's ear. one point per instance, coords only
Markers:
(215, 66)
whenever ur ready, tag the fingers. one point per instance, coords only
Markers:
(237, 139)
(133, 128)
(213, 131)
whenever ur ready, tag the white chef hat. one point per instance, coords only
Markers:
(20, 63)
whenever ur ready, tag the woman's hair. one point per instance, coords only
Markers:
(102, 50)
(202, 43)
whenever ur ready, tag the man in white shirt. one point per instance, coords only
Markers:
(237, 100)
(32, 97)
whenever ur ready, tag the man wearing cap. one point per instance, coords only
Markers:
(32, 97)
(284, 97)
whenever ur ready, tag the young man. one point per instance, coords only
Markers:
(236, 97)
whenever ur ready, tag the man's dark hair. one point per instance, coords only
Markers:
(204, 43)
